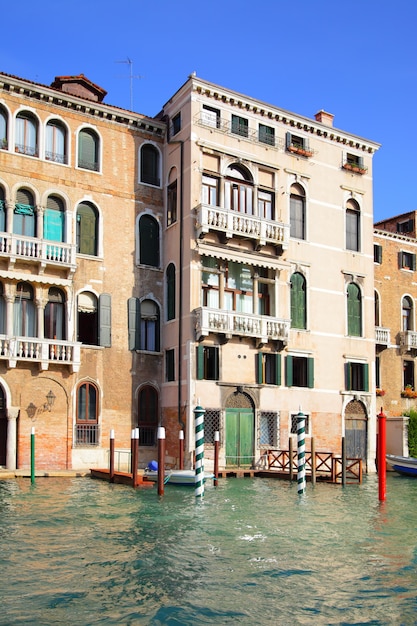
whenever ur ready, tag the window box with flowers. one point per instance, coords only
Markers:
(380, 392)
(408, 392)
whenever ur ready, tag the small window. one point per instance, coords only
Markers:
(87, 318)
(357, 377)
(266, 202)
(207, 363)
(408, 378)
(297, 212)
(298, 301)
(149, 326)
(150, 165)
(170, 291)
(378, 372)
(354, 310)
(26, 134)
(24, 217)
(268, 368)
(176, 123)
(266, 134)
(299, 371)
(268, 429)
(210, 190)
(54, 315)
(87, 229)
(169, 365)
(172, 203)
(240, 126)
(406, 226)
(148, 241)
(210, 117)
(56, 140)
(211, 424)
(87, 427)
(354, 163)
(148, 415)
(24, 311)
(88, 150)
(294, 424)
(407, 260)
(298, 145)
(377, 253)
(407, 314)
(352, 226)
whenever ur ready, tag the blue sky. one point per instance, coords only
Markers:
(355, 59)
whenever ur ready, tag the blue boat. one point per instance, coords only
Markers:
(406, 465)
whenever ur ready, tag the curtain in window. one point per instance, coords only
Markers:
(298, 301)
(352, 230)
(24, 313)
(3, 127)
(354, 310)
(297, 217)
(55, 142)
(54, 323)
(54, 220)
(87, 403)
(26, 135)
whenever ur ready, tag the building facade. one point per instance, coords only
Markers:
(220, 254)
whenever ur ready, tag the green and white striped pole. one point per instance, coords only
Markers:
(301, 453)
(199, 451)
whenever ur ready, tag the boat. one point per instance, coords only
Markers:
(406, 465)
(176, 477)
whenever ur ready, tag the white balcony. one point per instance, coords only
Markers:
(234, 224)
(408, 340)
(231, 323)
(382, 336)
(42, 351)
(40, 251)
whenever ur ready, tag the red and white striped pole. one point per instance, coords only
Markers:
(111, 470)
(382, 450)
(161, 460)
(181, 450)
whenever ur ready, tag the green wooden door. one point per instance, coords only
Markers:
(239, 437)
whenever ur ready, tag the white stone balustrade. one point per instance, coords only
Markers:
(231, 323)
(43, 351)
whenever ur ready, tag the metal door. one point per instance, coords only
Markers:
(239, 437)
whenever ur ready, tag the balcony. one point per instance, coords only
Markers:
(43, 351)
(382, 336)
(232, 323)
(40, 251)
(408, 340)
(233, 224)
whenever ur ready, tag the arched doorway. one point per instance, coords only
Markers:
(3, 427)
(239, 430)
(356, 431)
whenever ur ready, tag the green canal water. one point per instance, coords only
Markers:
(82, 551)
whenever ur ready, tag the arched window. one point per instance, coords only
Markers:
(87, 318)
(407, 314)
(149, 326)
(24, 219)
(149, 165)
(238, 189)
(377, 309)
(298, 301)
(24, 311)
(2, 211)
(354, 310)
(172, 197)
(88, 150)
(297, 212)
(56, 142)
(352, 226)
(3, 129)
(87, 229)
(170, 293)
(54, 317)
(148, 241)
(54, 219)
(2, 311)
(148, 413)
(86, 428)
(26, 134)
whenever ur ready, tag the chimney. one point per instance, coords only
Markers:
(324, 118)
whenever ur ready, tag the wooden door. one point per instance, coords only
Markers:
(240, 425)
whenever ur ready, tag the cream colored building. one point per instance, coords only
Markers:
(269, 226)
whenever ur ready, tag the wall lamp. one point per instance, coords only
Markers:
(32, 409)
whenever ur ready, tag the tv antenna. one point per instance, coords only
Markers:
(129, 62)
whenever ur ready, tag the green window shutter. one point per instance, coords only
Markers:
(87, 229)
(277, 369)
(348, 372)
(354, 310)
(216, 363)
(104, 320)
(133, 307)
(310, 372)
(53, 225)
(298, 301)
(259, 368)
(200, 362)
(288, 371)
(413, 261)
(287, 140)
(366, 377)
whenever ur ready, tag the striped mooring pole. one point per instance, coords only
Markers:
(32, 456)
(199, 451)
(301, 452)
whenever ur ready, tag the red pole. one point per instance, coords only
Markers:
(161, 460)
(382, 449)
(111, 473)
(181, 443)
(135, 440)
(216, 456)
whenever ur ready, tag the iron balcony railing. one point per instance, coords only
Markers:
(56, 157)
(382, 336)
(232, 224)
(42, 351)
(40, 250)
(86, 435)
(262, 327)
(228, 128)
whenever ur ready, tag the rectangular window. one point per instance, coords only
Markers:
(378, 372)
(299, 371)
(211, 424)
(407, 260)
(169, 365)
(297, 217)
(407, 226)
(352, 230)
(172, 203)
(268, 368)
(357, 377)
(294, 424)
(207, 363)
(176, 123)
(266, 134)
(266, 205)
(377, 253)
(269, 429)
(240, 126)
(298, 145)
(210, 117)
(408, 368)
(209, 190)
